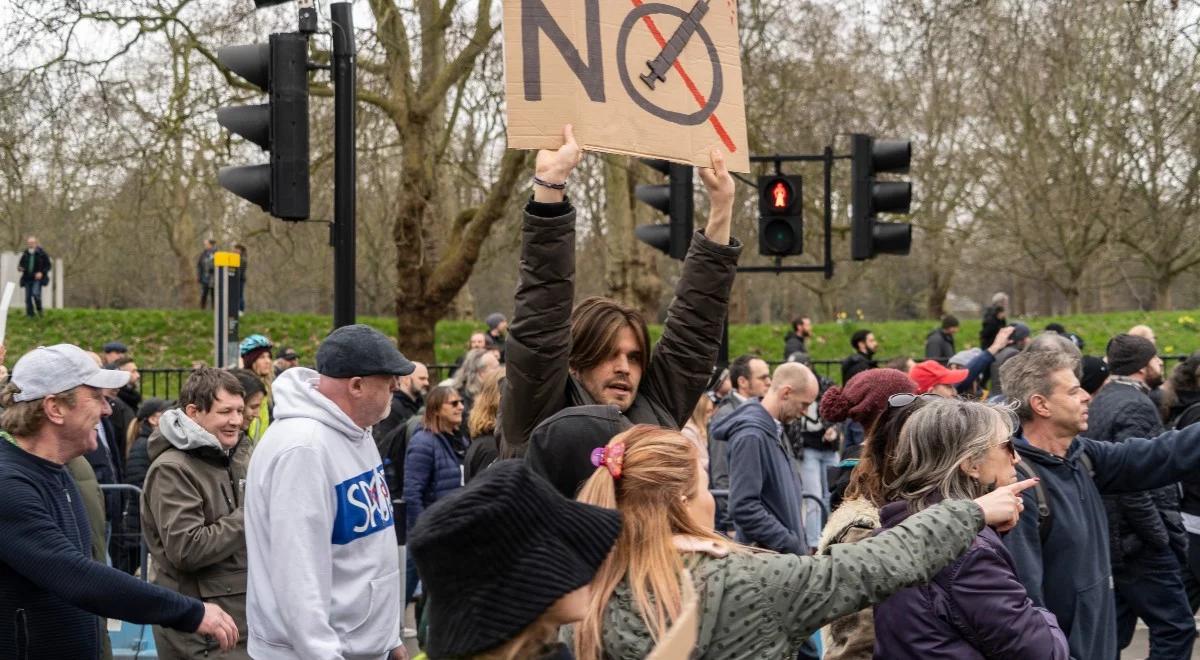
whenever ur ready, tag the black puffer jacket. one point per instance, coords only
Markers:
(1142, 522)
(537, 381)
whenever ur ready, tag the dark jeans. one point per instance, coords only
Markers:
(1191, 572)
(1150, 586)
(33, 298)
(206, 295)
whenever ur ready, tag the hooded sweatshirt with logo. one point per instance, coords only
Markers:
(324, 570)
(192, 518)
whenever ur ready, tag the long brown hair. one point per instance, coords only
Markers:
(660, 473)
(595, 324)
(432, 420)
(487, 405)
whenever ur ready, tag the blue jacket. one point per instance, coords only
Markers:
(1070, 573)
(433, 468)
(975, 608)
(765, 496)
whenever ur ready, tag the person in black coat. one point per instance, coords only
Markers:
(796, 341)
(34, 267)
(939, 345)
(863, 358)
(994, 318)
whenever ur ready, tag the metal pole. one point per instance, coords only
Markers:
(344, 100)
(828, 212)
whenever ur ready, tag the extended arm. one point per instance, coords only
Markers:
(40, 551)
(539, 339)
(814, 590)
(682, 361)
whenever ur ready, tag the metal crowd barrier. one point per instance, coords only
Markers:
(724, 493)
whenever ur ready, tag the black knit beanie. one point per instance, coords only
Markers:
(1128, 354)
(495, 555)
(560, 448)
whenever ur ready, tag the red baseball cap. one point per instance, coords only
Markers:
(930, 373)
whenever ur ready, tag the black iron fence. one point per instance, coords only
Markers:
(165, 383)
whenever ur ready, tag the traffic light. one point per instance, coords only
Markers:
(868, 157)
(279, 126)
(780, 219)
(673, 198)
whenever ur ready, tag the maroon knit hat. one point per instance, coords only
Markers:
(865, 397)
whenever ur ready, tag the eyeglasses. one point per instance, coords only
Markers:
(455, 403)
(906, 398)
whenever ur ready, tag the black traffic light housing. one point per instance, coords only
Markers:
(780, 215)
(674, 198)
(279, 126)
(869, 157)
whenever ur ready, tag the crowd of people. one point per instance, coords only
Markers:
(572, 491)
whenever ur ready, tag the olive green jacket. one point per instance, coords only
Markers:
(192, 517)
(762, 606)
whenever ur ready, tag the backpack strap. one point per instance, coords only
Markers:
(1026, 470)
(1086, 461)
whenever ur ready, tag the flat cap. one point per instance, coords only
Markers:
(360, 350)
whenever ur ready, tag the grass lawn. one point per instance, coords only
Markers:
(176, 338)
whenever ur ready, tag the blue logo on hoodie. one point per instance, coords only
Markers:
(364, 506)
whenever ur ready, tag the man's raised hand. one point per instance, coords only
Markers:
(555, 167)
(719, 184)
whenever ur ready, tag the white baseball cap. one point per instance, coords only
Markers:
(50, 370)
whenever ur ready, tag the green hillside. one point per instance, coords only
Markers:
(176, 338)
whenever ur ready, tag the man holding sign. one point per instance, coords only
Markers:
(599, 353)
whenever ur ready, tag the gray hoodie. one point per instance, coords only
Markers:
(324, 570)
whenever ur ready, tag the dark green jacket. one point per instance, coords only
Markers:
(755, 606)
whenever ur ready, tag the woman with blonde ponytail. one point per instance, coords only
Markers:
(752, 604)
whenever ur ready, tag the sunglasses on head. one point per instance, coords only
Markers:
(906, 398)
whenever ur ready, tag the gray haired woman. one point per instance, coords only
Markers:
(975, 608)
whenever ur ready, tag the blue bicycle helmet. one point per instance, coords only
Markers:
(253, 342)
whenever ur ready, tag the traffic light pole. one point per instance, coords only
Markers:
(827, 157)
(343, 230)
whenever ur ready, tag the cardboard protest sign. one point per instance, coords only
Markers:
(656, 79)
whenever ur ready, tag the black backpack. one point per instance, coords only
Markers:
(1025, 470)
